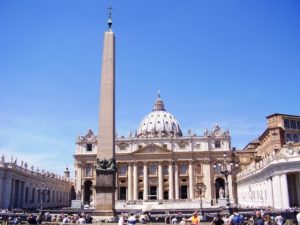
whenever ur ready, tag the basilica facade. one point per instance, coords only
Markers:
(159, 165)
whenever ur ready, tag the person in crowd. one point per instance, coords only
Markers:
(218, 220)
(81, 219)
(174, 220)
(279, 219)
(183, 221)
(66, 219)
(88, 218)
(131, 219)
(236, 218)
(259, 220)
(298, 217)
(268, 220)
(31, 219)
(194, 219)
(121, 219)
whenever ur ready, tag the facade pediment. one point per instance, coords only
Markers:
(152, 148)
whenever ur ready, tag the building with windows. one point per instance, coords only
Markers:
(23, 186)
(158, 166)
(273, 177)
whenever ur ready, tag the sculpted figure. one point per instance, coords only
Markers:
(221, 192)
(3, 158)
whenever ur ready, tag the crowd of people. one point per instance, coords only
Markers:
(236, 218)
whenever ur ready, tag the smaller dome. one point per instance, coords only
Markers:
(159, 123)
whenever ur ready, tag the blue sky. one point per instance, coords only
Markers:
(225, 62)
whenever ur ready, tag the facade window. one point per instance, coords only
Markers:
(287, 123)
(123, 170)
(122, 147)
(152, 169)
(165, 170)
(123, 181)
(88, 170)
(164, 146)
(89, 147)
(198, 146)
(141, 170)
(295, 138)
(140, 181)
(140, 146)
(217, 144)
(289, 138)
(182, 145)
(183, 168)
(293, 124)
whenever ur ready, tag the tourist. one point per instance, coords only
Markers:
(236, 218)
(194, 219)
(259, 220)
(121, 220)
(298, 218)
(131, 220)
(81, 220)
(218, 220)
(31, 219)
(66, 219)
(88, 218)
(183, 221)
(268, 220)
(279, 219)
(174, 220)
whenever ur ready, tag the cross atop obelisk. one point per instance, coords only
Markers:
(109, 22)
(105, 165)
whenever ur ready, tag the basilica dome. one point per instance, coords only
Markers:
(159, 123)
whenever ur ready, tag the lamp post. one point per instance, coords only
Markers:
(226, 168)
(200, 189)
(43, 190)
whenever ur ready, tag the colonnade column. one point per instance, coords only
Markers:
(298, 186)
(270, 192)
(284, 191)
(160, 182)
(191, 180)
(135, 182)
(171, 181)
(277, 192)
(145, 197)
(129, 181)
(1, 190)
(176, 181)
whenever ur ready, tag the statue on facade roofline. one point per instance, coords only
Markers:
(3, 158)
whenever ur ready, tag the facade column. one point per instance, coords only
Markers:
(191, 180)
(135, 182)
(207, 180)
(1, 191)
(160, 182)
(171, 181)
(270, 192)
(284, 191)
(145, 193)
(230, 187)
(176, 181)
(129, 182)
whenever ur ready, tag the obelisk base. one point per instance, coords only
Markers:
(105, 195)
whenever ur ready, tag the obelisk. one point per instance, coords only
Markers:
(105, 165)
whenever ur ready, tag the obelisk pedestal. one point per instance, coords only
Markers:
(105, 166)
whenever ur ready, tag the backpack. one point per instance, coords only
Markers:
(237, 219)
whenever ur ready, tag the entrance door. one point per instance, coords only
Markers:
(183, 192)
(123, 193)
(87, 192)
(219, 183)
(153, 193)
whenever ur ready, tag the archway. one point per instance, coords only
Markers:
(219, 183)
(87, 192)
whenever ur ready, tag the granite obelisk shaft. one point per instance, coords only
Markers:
(105, 181)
